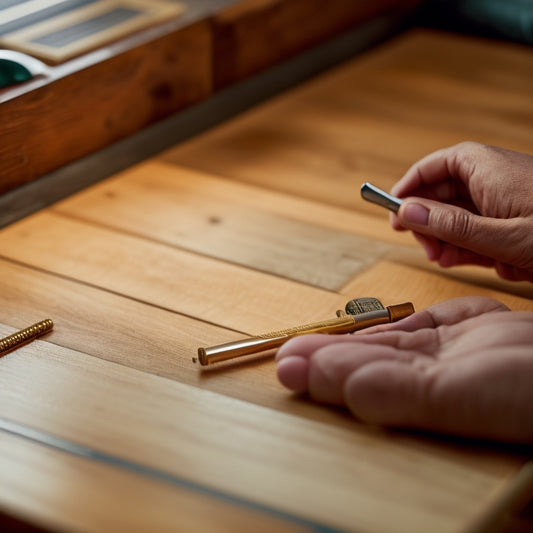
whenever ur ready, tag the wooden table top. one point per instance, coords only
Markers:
(253, 226)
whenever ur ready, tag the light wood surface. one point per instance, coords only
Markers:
(371, 119)
(261, 232)
(276, 459)
(68, 493)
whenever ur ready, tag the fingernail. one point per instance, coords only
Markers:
(415, 214)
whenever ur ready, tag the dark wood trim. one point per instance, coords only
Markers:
(30, 197)
(252, 35)
(87, 110)
(98, 99)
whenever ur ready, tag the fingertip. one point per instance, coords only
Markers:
(285, 349)
(305, 345)
(395, 222)
(432, 246)
(293, 372)
(414, 214)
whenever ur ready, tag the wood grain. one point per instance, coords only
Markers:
(160, 341)
(157, 341)
(240, 31)
(396, 282)
(229, 222)
(371, 119)
(259, 455)
(80, 113)
(155, 198)
(87, 103)
(217, 292)
(66, 493)
(205, 244)
(252, 226)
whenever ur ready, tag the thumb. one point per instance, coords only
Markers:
(500, 239)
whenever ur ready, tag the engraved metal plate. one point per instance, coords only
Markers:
(363, 305)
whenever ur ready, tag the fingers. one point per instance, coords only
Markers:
(389, 393)
(446, 313)
(431, 245)
(440, 369)
(321, 364)
(489, 400)
(444, 174)
(293, 372)
(447, 255)
(323, 372)
(513, 273)
(503, 240)
(453, 186)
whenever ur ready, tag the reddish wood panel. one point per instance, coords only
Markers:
(78, 114)
(254, 34)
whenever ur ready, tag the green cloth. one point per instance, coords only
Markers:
(12, 72)
(507, 19)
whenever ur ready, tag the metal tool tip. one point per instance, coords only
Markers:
(373, 194)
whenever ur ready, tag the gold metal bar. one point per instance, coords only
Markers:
(24, 336)
(267, 341)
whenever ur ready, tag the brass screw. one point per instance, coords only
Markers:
(23, 336)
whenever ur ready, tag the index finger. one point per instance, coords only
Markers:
(434, 176)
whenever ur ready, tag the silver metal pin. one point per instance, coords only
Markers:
(375, 195)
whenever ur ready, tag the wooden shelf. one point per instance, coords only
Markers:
(96, 99)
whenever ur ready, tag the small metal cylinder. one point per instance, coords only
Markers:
(375, 195)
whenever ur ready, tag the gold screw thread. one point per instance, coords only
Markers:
(25, 335)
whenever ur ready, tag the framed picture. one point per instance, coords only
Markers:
(56, 31)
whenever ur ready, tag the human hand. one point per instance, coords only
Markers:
(463, 366)
(474, 205)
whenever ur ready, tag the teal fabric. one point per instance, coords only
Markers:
(509, 18)
(12, 72)
(506, 19)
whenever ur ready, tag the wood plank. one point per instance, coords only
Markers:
(370, 119)
(163, 69)
(131, 304)
(398, 282)
(220, 293)
(154, 197)
(63, 492)
(158, 341)
(227, 221)
(141, 336)
(334, 476)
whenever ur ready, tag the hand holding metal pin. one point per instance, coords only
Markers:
(375, 195)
